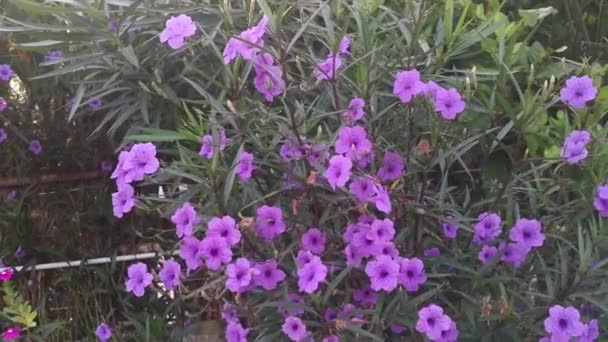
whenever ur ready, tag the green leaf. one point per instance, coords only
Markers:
(231, 174)
(159, 135)
(130, 55)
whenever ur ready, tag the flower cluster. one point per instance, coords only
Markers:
(575, 147)
(563, 324)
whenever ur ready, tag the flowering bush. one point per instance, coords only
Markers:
(337, 173)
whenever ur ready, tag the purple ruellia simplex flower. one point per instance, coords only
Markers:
(6, 72)
(268, 275)
(239, 275)
(123, 200)
(366, 296)
(600, 202)
(216, 251)
(225, 228)
(381, 231)
(229, 313)
(591, 332)
(139, 161)
(269, 222)
(95, 104)
(311, 275)
(392, 167)
(563, 323)
(304, 257)
(295, 329)
(432, 321)
(112, 25)
(53, 56)
(3, 135)
(397, 328)
(185, 219)
(20, 252)
(381, 199)
(450, 230)
(344, 46)
(353, 143)
(449, 103)
(575, 147)
(313, 240)
(103, 332)
(170, 274)
(355, 111)
(527, 233)
(190, 252)
(248, 42)
(407, 85)
(207, 149)
(431, 89)
(383, 273)
(486, 254)
(338, 172)
(364, 188)
(3, 104)
(244, 166)
(578, 91)
(450, 334)
(487, 228)
(411, 273)
(291, 150)
(35, 147)
(268, 77)
(177, 30)
(236, 333)
(139, 279)
(327, 69)
(513, 254)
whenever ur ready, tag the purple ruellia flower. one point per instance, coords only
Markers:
(291, 150)
(331, 338)
(563, 323)
(123, 200)
(392, 167)
(330, 314)
(600, 202)
(486, 254)
(407, 85)
(311, 274)
(304, 257)
(365, 296)
(411, 273)
(432, 321)
(396, 328)
(575, 147)
(432, 252)
(313, 240)
(225, 228)
(268, 77)
(177, 29)
(527, 233)
(120, 175)
(386, 248)
(95, 104)
(450, 230)
(354, 112)
(139, 161)
(185, 219)
(578, 91)
(513, 254)
(11, 333)
(6, 274)
(326, 70)
(244, 166)
(353, 143)
(215, 251)
(448, 103)
(431, 89)
(450, 334)
(170, 274)
(294, 328)
(112, 25)
(20, 252)
(591, 332)
(382, 199)
(139, 279)
(381, 230)
(268, 275)
(190, 252)
(383, 273)
(35, 147)
(105, 166)
(53, 56)
(338, 172)
(3, 104)
(269, 222)
(344, 45)
(6, 72)
(240, 274)
(229, 313)
(103, 332)
(248, 43)
(206, 150)
(3, 135)
(236, 333)
(487, 228)
(364, 188)
(12, 194)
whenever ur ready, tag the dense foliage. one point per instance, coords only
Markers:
(335, 171)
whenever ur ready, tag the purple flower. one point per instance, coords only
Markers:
(268, 275)
(338, 172)
(229, 313)
(215, 251)
(316, 153)
(177, 29)
(248, 44)
(139, 279)
(53, 56)
(432, 252)
(448, 103)
(313, 240)
(294, 328)
(392, 167)
(244, 166)
(354, 112)
(575, 147)
(386, 248)
(487, 228)
(344, 45)
(431, 89)
(3, 104)
(11, 333)
(578, 137)
(139, 161)
(486, 254)
(450, 230)
(35, 147)
(578, 91)
(396, 328)
(513, 254)
(123, 200)
(6, 274)
(353, 258)
(95, 104)
(269, 222)
(450, 334)
(103, 332)
(365, 296)
(331, 338)
(170, 274)
(564, 323)
(527, 233)
(20, 252)
(330, 314)
(240, 274)
(185, 218)
(268, 78)
(206, 150)
(6, 72)
(290, 151)
(112, 25)
(225, 228)
(383, 273)
(411, 273)
(591, 332)
(353, 143)
(3, 135)
(432, 321)
(364, 188)
(236, 333)
(600, 202)
(12, 194)
(311, 274)
(407, 85)
(190, 252)
(120, 174)
(326, 70)
(382, 199)
(382, 230)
